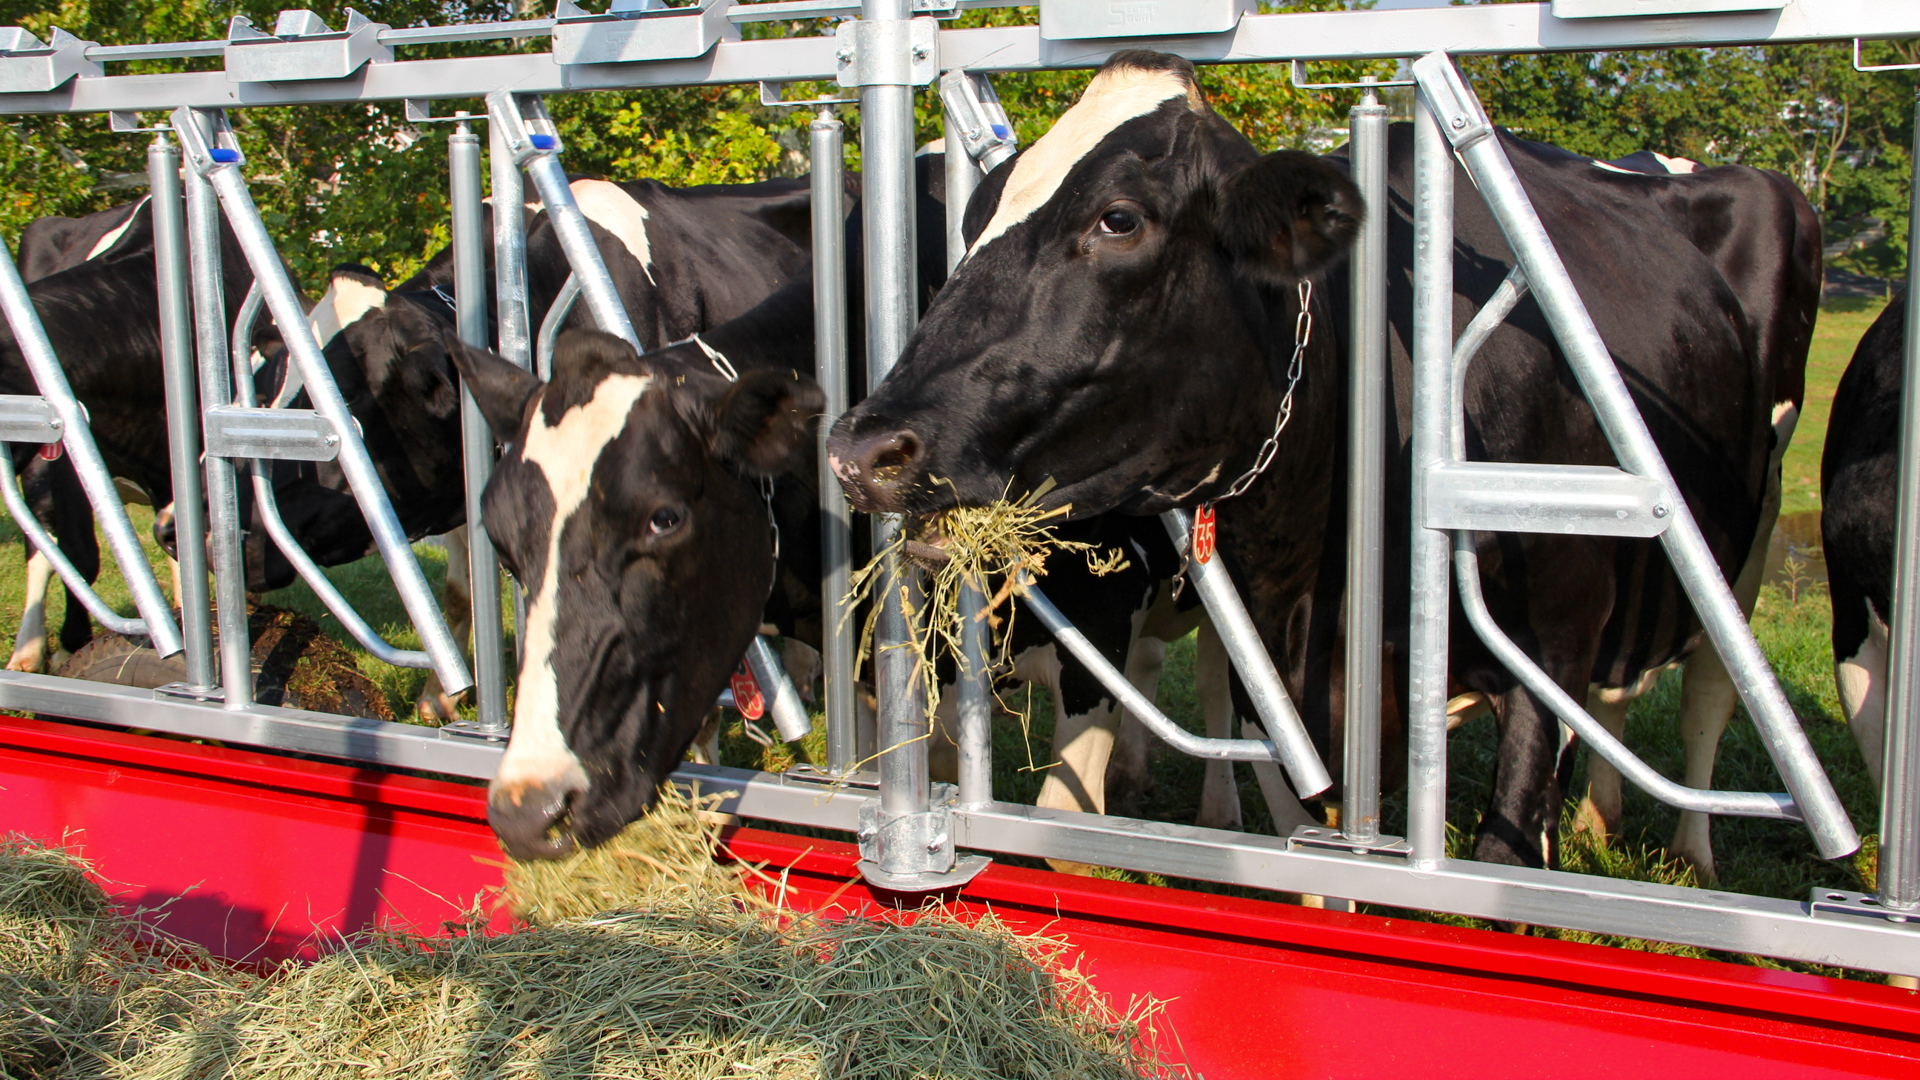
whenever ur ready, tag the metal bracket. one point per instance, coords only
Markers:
(773, 96)
(865, 779)
(28, 418)
(30, 66)
(420, 111)
(234, 431)
(985, 132)
(634, 32)
(214, 148)
(1838, 903)
(1589, 500)
(128, 123)
(472, 729)
(188, 692)
(888, 52)
(914, 852)
(302, 47)
(1300, 81)
(1321, 838)
(1857, 66)
(1076, 19)
(1461, 118)
(525, 127)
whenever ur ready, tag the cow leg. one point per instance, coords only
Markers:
(73, 531)
(802, 662)
(1212, 684)
(30, 640)
(1522, 818)
(1127, 772)
(1862, 681)
(435, 705)
(706, 745)
(1600, 811)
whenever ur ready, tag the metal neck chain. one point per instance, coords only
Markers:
(725, 367)
(1302, 333)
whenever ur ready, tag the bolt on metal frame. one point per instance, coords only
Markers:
(1813, 931)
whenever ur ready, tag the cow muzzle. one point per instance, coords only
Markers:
(533, 821)
(877, 469)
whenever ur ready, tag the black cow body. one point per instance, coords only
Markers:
(1123, 327)
(1859, 498)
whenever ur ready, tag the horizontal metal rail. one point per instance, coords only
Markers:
(1342, 35)
(1785, 929)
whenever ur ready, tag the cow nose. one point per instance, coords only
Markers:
(531, 819)
(163, 533)
(876, 468)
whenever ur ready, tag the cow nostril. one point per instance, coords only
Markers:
(892, 457)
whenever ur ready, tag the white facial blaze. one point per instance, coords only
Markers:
(610, 207)
(346, 300)
(566, 453)
(106, 242)
(1114, 97)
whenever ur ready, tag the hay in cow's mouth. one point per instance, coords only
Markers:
(990, 548)
(687, 970)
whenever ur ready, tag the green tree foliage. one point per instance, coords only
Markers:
(359, 183)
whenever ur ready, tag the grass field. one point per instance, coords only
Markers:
(1773, 859)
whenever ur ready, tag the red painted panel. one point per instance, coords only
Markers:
(271, 852)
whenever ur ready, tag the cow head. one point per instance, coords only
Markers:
(624, 482)
(1114, 325)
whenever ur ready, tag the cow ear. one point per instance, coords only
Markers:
(1288, 216)
(500, 387)
(765, 420)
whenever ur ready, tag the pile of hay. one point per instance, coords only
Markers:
(644, 960)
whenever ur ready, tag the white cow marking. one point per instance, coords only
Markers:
(1677, 165)
(610, 207)
(106, 242)
(343, 305)
(1862, 682)
(537, 752)
(1611, 167)
(1114, 97)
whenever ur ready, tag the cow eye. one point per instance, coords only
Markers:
(665, 520)
(1119, 222)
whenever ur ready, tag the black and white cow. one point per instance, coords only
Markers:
(1859, 496)
(1122, 327)
(682, 260)
(99, 304)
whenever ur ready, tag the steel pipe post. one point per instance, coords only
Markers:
(1367, 475)
(226, 557)
(1899, 877)
(183, 410)
(470, 315)
(963, 175)
(513, 336)
(973, 705)
(886, 152)
(1471, 135)
(1432, 405)
(215, 159)
(838, 645)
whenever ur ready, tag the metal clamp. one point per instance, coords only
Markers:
(1839, 903)
(420, 111)
(1322, 838)
(29, 66)
(773, 96)
(1590, 500)
(637, 30)
(523, 124)
(127, 122)
(302, 47)
(888, 52)
(236, 431)
(978, 117)
(1462, 119)
(212, 148)
(914, 852)
(28, 418)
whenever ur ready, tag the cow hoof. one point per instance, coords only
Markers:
(31, 658)
(1702, 863)
(1588, 819)
(438, 709)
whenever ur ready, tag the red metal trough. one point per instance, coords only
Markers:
(269, 856)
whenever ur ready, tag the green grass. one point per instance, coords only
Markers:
(1840, 326)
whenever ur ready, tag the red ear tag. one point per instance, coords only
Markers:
(746, 694)
(51, 451)
(1203, 533)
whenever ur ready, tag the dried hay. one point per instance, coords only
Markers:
(682, 973)
(972, 546)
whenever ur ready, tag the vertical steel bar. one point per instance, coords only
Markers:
(226, 558)
(1366, 476)
(830, 368)
(513, 335)
(183, 409)
(973, 703)
(470, 316)
(963, 175)
(886, 153)
(1432, 375)
(1899, 877)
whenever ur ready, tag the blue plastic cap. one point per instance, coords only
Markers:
(543, 142)
(1000, 131)
(223, 155)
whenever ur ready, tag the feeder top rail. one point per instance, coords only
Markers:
(1337, 35)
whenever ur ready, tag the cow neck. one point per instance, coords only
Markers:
(727, 371)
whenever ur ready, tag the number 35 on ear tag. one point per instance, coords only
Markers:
(1203, 533)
